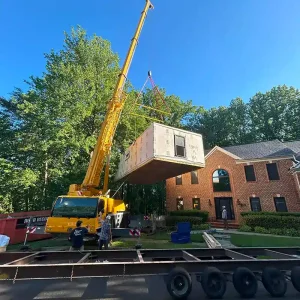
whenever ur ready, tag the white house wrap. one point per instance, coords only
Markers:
(161, 152)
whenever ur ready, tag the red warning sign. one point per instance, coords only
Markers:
(31, 229)
(134, 232)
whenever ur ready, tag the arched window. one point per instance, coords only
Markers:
(221, 181)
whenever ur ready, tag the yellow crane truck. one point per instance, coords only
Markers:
(85, 201)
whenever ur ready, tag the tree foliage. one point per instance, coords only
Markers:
(49, 131)
(267, 116)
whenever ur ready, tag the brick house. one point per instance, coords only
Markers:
(248, 177)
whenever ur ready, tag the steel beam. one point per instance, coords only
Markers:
(261, 250)
(189, 257)
(85, 258)
(278, 255)
(237, 255)
(140, 256)
(161, 253)
(207, 252)
(6, 257)
(140, 262)
(24, 260)
(12, 272)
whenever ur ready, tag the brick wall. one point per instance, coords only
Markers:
(241, 190)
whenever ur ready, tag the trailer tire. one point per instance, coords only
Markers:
(274, 282)
(245, 282)
(179, 283)
(295, 278)
(213, 282)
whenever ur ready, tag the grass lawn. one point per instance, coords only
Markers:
(153, 244)
(54, 242)
(160, 240)
(241, 240)
(163, 235)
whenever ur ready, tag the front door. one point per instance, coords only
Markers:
(227, 202)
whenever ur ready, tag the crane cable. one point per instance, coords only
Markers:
(157, 96)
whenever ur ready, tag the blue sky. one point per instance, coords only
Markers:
(207, 51)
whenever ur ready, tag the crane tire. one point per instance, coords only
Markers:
(213, 282)
(274, 282)
(179, 283)
(295, 278)
(245, 282)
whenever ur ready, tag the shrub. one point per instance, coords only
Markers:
(191, 213)
(291, 232)
(271, 221)
(258, 229)
(270, 213)
(173, 220)
(277, 231)
(245, 228)
(204, 226)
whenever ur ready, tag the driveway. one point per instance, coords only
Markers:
(133, 288)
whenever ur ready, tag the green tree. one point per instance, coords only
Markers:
(238, 123)
(275, 114)
(57, 121)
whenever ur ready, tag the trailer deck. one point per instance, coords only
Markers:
(16, 266)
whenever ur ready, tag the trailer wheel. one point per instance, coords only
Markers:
(213, 283)
(274, 282)
(295, 277)
(245, 282)
(179, 283)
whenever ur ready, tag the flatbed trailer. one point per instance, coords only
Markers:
(213, 267)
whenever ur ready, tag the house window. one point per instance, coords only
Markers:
(179, 146)
(178, 180)
(221, 181)
(196, 203)
(249, 173)
(280, 204)
(179, 203)
(272, 171)
(255, 204)
(194, 177)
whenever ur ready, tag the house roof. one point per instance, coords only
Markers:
(295, 146)
(261, 150)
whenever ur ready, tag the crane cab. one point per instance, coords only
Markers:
(67, 210)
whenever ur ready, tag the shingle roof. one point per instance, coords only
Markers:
(295, 146)
(267, 149)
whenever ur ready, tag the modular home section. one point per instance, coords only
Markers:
(161, 152)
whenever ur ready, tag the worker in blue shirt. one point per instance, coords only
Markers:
(76, 237)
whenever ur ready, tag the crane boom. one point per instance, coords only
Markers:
(115, 107)
(84, 201)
